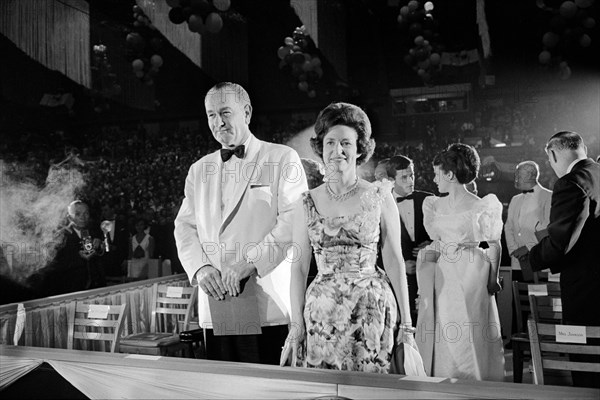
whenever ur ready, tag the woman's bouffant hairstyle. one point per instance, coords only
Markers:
(348, 115)
(461, 159)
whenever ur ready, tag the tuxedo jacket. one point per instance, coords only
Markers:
(420, 232)
(119, 248)
(571, 246)
(257, 226)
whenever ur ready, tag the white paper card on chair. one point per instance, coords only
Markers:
(571, 334)
(175, 291)
(553, 277)
(98, 311)
(537, 290)
(556, 304)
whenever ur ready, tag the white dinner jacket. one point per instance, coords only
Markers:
(521, 225)
(257, 226)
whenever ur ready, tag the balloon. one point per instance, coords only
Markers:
(214, 23)
(589, 23)
(316, 62)
(584, 3)
(421, 72)
(288, 41)
(136, 9)
(434, 59)
(176, 16)
(565, 73)
(137, 64)
(303, 86)
(550, 39)
(139, 74)
(173, 3)
(195, 23)
(568, 9)
(424, 64)
(545, 57)
(585, 40)
(222, 5)
(404, 11)
(419, 40)
(156, 61)
(307, 66)
(413, 5)
(283, 51)
(201, 7)
(428, 6)
(312, 94)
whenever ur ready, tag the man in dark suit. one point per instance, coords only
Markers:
(118, 242)
(413, 235)
(76, 265)
(571, 245)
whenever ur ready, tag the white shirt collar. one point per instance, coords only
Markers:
(575, 162)
(245, 143)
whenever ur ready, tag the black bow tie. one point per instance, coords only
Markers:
(527, 191)
(227, 153)
(401, 199)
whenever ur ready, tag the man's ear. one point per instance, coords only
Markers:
(248, 113)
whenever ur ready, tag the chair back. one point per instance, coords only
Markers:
(521, 292)
(548, 354)
(96, 322)
(172, 307)
(546, 309)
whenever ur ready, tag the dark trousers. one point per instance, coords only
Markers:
(412, 296)
(262, 349)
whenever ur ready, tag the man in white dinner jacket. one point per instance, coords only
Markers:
(233, 230)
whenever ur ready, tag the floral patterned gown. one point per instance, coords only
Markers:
(350, 310)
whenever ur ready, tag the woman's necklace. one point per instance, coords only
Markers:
(342, 196)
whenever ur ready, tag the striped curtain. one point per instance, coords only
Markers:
(53, 32)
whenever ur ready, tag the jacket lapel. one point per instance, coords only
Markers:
(210, 202)
(248, 169)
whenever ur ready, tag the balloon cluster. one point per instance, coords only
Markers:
(201, 15)
(570, 28)
(416, 19)
(298, 55)
(143, 46)
(105, 80)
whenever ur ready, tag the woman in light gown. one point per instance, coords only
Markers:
(458, 327)
(141, 250)
(347, 318)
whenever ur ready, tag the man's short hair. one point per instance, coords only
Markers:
(397, 163)
(565, 140)
(531, 164)
(230, 88)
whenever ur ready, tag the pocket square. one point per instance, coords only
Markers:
(258, 186)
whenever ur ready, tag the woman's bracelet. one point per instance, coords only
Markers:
(407, 327)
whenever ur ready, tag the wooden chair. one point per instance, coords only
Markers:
(548, 354)
(172, 308)
(547, 309)
(95, 322)
(520, 339)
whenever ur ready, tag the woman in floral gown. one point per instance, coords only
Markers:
(347, 318)
(458, 327)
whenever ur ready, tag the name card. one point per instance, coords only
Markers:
(553, 277)
(556, 304)
(175, 291)
(537, 290)
(143, 357)
(98, 311)
(570, 334)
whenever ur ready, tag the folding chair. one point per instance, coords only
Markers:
(96, 323)
(172, 307)
(548, 354)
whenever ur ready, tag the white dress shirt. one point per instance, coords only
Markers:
(230, 176)
(406, 209)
